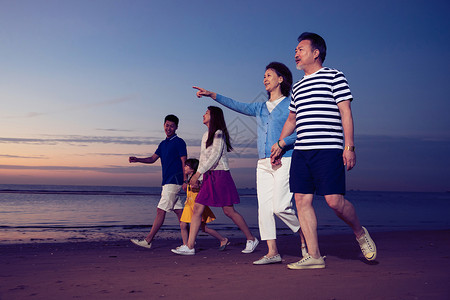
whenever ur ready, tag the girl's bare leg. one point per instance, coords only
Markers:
(223, 240)
(236, 217)
(195, 224)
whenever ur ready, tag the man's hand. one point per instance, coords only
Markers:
(349, 159)
(275, 152)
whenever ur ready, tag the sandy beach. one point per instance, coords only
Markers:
(410, 265)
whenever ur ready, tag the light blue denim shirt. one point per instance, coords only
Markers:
(269, 124)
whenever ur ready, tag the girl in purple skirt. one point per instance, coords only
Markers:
(218, 188)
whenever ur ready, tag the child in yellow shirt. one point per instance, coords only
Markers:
(190, 168)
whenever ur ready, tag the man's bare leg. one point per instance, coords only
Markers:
(157, 223)
(308, 222)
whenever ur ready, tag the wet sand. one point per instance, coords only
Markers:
(410, 265)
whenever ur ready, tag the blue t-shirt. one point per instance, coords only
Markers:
(170, 151)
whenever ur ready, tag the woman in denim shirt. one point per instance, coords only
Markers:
(272, 180)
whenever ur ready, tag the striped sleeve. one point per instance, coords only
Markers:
(341, 90)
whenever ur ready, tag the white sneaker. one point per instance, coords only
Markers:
(268, 260)
(308, 262)
(183, 250)
(250, 246)
(142, 243)
(367, 246)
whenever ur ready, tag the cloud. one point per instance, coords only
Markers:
(107, 169)
(113, 130)
(87, 139)
(80, 139)
(111, 154)
(240, 148)
(78, 107)
(26, 157)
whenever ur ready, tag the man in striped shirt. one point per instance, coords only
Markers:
(320, 113)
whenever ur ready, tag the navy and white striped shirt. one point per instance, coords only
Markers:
(314, 100)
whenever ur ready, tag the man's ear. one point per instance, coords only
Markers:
(316, 53)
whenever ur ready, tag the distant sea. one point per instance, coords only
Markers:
(46, 213)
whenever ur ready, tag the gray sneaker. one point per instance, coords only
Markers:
(268, 260)
(142, 243)
(367, 246)
(308, 262)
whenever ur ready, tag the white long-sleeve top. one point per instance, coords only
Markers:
(215, 156)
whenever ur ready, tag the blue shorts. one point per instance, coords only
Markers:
(317, 171)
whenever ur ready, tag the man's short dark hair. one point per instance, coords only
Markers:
(172, 118)
(317, 42)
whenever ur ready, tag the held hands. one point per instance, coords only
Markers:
(196, 187)
(275, 161)
(202, 92)
(194, 180)
(276, 151)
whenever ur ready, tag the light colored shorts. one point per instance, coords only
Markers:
(170, 200)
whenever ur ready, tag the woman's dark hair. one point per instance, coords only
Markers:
(192, 163)
(317, 42)
(217, 122)
(172, 118)
(284, 72)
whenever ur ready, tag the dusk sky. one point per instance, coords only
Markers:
(85, 84)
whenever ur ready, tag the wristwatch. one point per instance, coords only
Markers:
(350, 148)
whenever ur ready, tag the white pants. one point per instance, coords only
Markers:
(274, 197)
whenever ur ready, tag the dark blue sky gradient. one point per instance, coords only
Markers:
(84, 75)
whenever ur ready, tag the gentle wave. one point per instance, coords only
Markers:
(94, 193)
(61, 213)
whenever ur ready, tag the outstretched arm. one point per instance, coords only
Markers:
(249, 109)
(146, 160)
(204, 93)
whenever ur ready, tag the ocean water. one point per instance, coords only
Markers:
(38, 213)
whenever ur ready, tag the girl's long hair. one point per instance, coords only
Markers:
(217, 122)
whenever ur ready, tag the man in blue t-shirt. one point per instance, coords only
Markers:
(320, 113)
(173, 153)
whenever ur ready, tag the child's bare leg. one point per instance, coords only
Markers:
(178, 213)
(223, 240)
(184, 227)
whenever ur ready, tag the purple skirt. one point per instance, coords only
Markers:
(218, 189)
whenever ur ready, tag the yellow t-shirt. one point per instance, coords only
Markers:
(186, 217)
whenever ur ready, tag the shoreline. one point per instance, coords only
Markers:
(410, 265)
